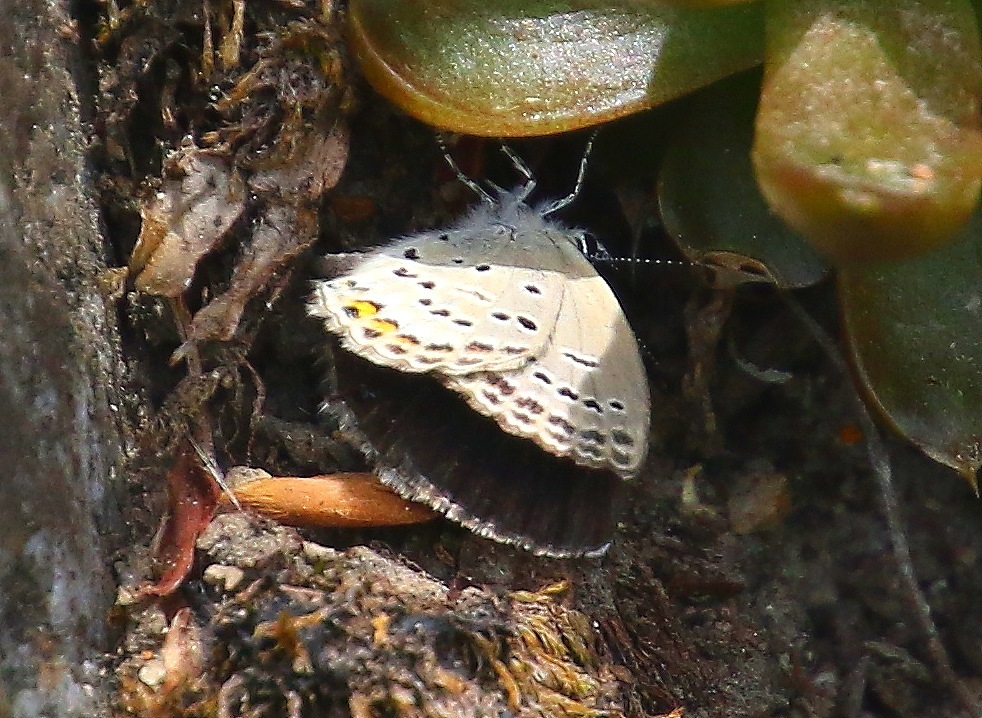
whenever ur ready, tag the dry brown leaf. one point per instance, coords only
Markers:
(184, 221)
(192, 496)
(315, 164)
(283, 232)
(288, 226)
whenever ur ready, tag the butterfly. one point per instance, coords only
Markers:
(504, 310)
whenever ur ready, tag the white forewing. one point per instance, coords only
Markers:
(416, 315)
(505, 311)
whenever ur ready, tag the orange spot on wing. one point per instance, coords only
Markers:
(383, 326)
(362, 309)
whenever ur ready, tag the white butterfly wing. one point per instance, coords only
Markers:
(422, 304)
(586, 396)
(508, 313)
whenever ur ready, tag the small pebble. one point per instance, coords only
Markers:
(153, 672)
(315, 552)
(225, 577)
(125, 596)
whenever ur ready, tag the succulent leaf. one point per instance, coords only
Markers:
(534, 67)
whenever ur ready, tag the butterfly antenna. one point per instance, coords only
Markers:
(467, 181)
(604, 258)
(581, 175)
(523, 169)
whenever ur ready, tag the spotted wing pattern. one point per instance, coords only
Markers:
(412, 308)
(585, 397)
(508, 313)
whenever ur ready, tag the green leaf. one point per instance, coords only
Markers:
(868, 132)
(533, 67)
(916, 334)
(709, 200)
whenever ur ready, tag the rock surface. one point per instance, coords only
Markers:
(60, 444)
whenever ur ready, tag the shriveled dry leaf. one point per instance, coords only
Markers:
(316, 162)
(287, 227)
(282, 233)
(192, 498)
(184, 221)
